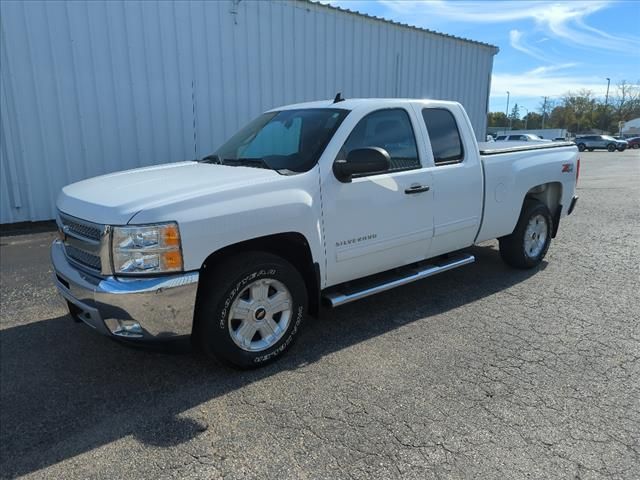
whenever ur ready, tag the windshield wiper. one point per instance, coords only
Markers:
(235, 162)
(246, 162)
(213, 158)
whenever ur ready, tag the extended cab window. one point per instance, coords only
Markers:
(389, 129)
(444, 135)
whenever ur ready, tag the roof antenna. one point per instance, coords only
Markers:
(338, 98)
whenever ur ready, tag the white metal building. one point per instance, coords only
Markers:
(97, 86)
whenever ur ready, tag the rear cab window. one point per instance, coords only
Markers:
(446, 142)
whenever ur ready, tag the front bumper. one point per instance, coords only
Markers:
(136, 309)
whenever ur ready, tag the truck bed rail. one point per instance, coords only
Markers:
(486, 147)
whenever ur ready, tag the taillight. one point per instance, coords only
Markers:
(577, 171)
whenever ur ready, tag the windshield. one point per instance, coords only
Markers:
(288, 141)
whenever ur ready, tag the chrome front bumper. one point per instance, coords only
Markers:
(137, 309)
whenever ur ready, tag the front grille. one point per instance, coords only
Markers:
(82, 228)
(82, 241)
(86, 258)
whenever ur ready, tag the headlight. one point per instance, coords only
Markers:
(147, 249)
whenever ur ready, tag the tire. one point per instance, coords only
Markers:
(239, 319)
(636, 145)
(519, 249)
(621, 149)
(581, 147)
(591, 149)
(611, 147)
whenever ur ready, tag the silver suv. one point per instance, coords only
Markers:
(592, 142)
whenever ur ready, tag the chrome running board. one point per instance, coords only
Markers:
(346, 293)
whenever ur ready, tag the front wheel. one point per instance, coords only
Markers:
(611, 147)
(529, 242)
(250, 309)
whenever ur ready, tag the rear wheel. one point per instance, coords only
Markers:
(636, 145)
(250, 309)
(591, 149)
(621, 149)
(581, 147)
(611, 147)
(529, 242)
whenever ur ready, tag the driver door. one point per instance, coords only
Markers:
(379, 220)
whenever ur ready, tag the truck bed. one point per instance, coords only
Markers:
(495, 148)
(511, 169)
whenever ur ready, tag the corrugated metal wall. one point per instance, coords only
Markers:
(93, 87)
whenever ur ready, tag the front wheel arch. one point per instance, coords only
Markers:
(292, 246)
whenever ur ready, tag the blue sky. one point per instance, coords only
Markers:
(546, 47)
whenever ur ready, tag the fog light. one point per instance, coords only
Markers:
(125, 328)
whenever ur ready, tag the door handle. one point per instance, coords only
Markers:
(416, 189)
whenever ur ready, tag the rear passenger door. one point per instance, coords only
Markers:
(457, 180)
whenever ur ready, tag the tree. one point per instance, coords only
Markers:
(579, 112)
(514, 118)
(532, 120)
(497, 119)
(626, 104)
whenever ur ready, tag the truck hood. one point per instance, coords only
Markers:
(115, 198)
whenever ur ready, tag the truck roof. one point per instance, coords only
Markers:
(352, 103)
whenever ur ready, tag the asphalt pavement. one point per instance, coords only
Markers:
(481, 372)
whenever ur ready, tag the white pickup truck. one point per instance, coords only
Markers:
(328, 201)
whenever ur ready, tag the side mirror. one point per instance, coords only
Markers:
(362, 160)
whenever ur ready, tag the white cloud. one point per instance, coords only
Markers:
(564, 20)
(516, 41)
(550, 81)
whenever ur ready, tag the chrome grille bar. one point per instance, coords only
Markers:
(85, 243)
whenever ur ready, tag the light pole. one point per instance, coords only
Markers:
(507, 112)
(606, 106)
(525, 117)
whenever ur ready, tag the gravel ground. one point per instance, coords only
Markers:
(482, 372)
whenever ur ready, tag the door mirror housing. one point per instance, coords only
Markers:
(362, 161)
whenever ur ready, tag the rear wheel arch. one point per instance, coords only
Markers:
(550, 194)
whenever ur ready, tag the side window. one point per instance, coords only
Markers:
(389, 129)
(444, 135)
(501, 137)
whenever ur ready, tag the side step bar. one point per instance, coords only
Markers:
(380, 283)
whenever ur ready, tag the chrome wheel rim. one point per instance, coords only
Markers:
(535, 236)
(260, 315)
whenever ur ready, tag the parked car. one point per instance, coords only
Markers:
(593, 142)
(323, 201)
(633, 142)
(521, 137)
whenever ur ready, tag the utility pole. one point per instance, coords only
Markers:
(544, 111)
(507, 112)
(526, 119)
(606, 97)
